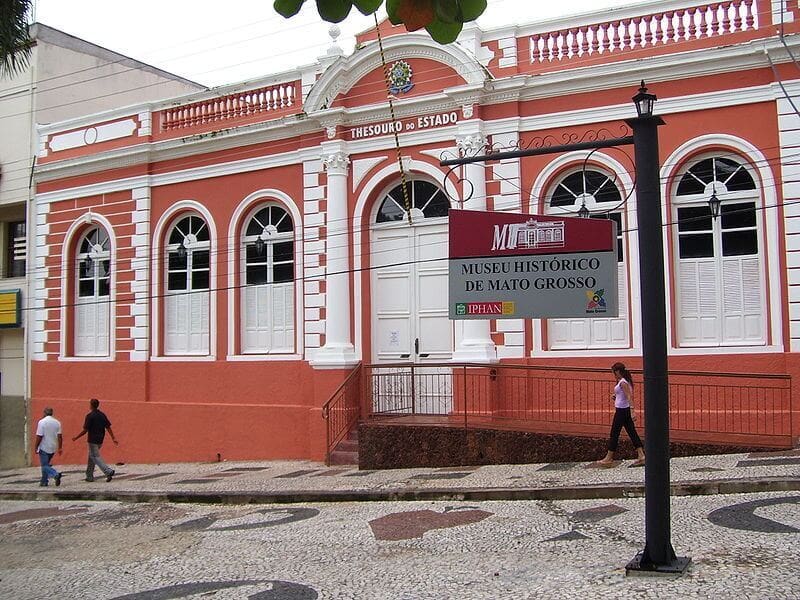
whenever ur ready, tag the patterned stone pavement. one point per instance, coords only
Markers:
(741, 545)
(310, 481)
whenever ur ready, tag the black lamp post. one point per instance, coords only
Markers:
(658, 555)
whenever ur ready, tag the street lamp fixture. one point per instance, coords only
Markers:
(259, 245)
(181, 251)
(714, 203)
(583, 212)
(644, 102)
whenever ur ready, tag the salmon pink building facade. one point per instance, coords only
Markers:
(212, 268)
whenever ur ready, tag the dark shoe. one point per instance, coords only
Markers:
(110, 475)
(57, 479)
(89, 479)
(42, 485)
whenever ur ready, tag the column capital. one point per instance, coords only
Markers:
(471, 144)
(336, 163)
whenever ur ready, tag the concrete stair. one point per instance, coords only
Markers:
(346, 451)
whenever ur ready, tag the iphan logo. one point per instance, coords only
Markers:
(597, 304)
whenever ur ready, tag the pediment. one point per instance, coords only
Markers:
(358, 80)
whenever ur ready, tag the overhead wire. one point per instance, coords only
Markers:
(131, 299)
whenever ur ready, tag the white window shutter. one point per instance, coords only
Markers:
(698, 323)
(176, 335)
(742, 311)
(198, 323)
(282, 311)
(102, 310)
(256, 321)
(85, 322)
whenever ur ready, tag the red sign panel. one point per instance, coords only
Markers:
(479, 234)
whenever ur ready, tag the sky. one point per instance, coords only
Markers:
(217, 43)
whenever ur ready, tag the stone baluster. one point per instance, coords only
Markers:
(737, 16)
(583, 32)
(750, 15)
(726, 18)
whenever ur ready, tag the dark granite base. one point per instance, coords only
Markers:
(395, 447)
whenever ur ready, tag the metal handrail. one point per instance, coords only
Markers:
(723, 405)
(336, 429)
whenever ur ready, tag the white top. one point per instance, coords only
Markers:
(621, 399)
(49, 428)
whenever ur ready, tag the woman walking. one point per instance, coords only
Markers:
(622, 394)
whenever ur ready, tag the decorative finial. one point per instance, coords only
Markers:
(334, 32)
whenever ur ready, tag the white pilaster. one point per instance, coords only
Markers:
(338, 351)
(476, 344)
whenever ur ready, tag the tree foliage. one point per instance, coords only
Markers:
(15, 41)
(443, 19)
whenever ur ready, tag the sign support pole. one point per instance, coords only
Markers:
(658, 555)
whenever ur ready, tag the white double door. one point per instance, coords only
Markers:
(409, 316)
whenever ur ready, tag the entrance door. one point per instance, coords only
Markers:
(409, 317)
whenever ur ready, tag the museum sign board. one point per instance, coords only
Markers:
(510, 266)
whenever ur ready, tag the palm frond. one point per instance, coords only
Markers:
(15, 41)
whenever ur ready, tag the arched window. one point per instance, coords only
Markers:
(268, 294)
(93, 291)
(720, 273)
(426, 200)
(595, 192)
(186, 304)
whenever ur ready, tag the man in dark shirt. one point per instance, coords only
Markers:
(95, 425)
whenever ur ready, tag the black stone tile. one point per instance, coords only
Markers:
(459, 469)
(558, 466)
(330, 473)
(598, 513)
(441, 476)
(295, 474)
(743, 517)
(223, 474)
(197, 480)
(358, 474)
(570, 535)
(706, 470)
(243, 469)
(151, 476)
(769, 462)
(20, 481)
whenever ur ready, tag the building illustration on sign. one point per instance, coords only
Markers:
(528, 235)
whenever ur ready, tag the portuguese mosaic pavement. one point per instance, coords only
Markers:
(742, 545)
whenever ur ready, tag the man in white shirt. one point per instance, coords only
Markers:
(48, 440)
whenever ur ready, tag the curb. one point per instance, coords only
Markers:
(589, 492)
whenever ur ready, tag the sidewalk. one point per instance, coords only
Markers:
(263, 482)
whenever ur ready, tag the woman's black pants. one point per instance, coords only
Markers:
(622, 418)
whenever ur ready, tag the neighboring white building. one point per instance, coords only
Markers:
(67, 77)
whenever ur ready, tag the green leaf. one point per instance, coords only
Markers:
(392, 7)
(447, 11)
(471, 9)
(288, 8)
(367, 7)
(334, 11)
(444, 33)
